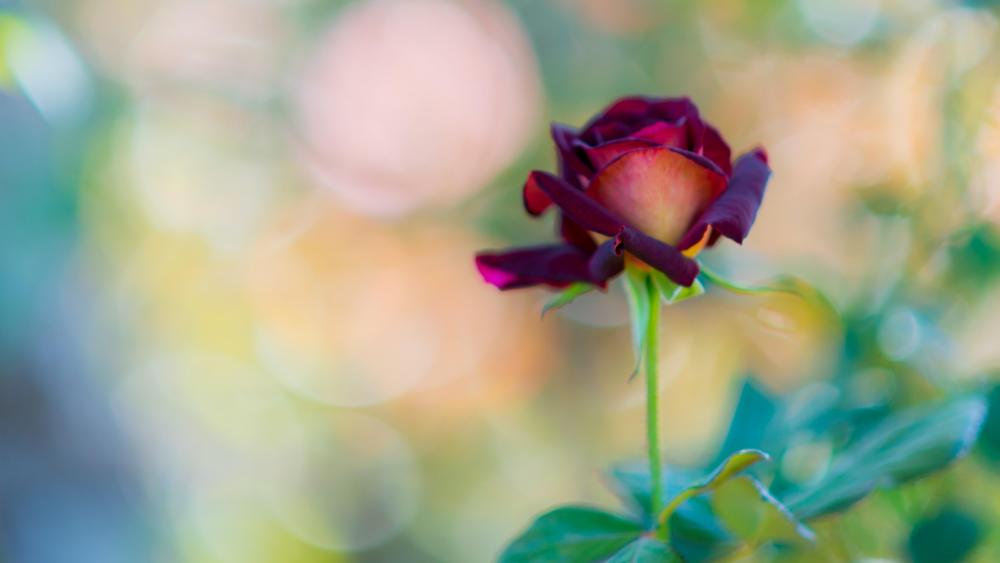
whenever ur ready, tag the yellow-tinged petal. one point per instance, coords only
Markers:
(658, 190)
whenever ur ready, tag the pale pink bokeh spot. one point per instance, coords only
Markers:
(231, 48)
(417, 103)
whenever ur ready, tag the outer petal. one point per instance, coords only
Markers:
(577, 205)
(535, 200)
(734, 212)
(626, 108)
(716, 150)
(555, 265)
(571, 165)
(660, 191)
(606, 262)
(660, 255)
(575, 234)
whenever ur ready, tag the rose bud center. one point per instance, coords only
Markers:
(657, 190)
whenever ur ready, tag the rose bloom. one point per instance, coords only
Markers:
(648, 176)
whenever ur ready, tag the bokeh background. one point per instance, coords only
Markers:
(239, 319)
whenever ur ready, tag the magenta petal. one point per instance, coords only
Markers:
(606, 262)
(660, 255)
(556, 265)
(580, 207)
(716, 150)
(733, 213)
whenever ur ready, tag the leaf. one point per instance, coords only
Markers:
(646, 550)
(566, 296)
(672, 293)
(572, 533)
(783, 284)
(950, 535)
(748, 510)
(754, 413)
(904, 447)
(631, 483)
(637, 294)
(733, 465)
(989, 440)
(695, 533)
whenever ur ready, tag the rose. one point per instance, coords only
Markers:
(649, 175)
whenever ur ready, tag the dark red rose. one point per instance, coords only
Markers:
(652, 177)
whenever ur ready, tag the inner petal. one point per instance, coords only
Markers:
(657, 190)
(669, 134)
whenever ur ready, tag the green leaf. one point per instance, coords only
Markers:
(948, 536)
(631, 483)
(748, 510)
(904, 447)
(671, 292)
(573, 533)
(695, 533)
(989, 440)
(755, 412)
(646, 550)
(733, 465)
(783, 284)
(566, 296)
(637, 294)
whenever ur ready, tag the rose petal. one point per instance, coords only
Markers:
(624, 108)
(571, 165)
(662, 133)
(580, 207)
(619, 120)
(734, 212)
(660, 255)
(716, 150)
(660, 191)
(601, 155)
(555, 265)
(674, 110)
(606, 262)
(575, 234)
(702, 160)
(535, 200)
(608, 131)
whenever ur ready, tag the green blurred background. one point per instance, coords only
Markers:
(239, 319)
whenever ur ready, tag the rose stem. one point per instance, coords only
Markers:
(652, 399)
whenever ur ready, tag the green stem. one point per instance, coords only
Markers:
(652, 398)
